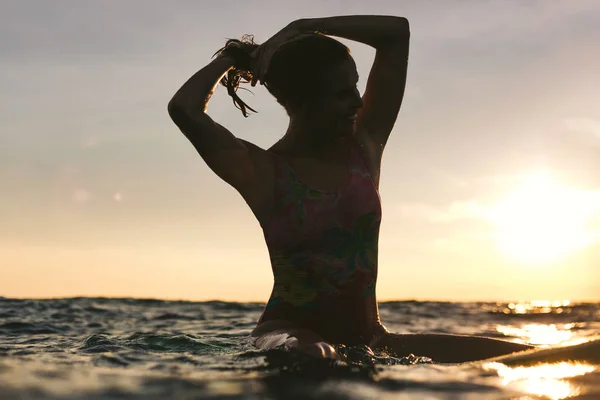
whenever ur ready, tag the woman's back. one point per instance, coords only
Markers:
(323, 251)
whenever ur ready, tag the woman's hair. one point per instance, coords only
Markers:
(296, 71)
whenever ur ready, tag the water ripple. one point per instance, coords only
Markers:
(100, 348)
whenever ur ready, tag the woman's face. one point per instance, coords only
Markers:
(333, 109)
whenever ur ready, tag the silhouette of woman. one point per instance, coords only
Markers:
(315, 191)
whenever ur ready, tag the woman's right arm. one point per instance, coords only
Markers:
(244, 166)
(188, 106)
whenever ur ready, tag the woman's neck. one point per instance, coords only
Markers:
(302, 138)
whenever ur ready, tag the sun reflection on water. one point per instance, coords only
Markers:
(540, 334)
(538, 307)
(547, 380)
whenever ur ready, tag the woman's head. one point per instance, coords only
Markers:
(312, 74)
(298, 70)
(314, 77)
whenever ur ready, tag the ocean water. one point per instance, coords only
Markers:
(96, 348)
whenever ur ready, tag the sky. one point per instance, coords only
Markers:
(490, 181)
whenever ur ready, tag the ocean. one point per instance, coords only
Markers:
(98, 348)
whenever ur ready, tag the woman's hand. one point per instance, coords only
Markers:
(261, 57)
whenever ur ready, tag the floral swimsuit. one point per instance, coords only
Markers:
(323, 250)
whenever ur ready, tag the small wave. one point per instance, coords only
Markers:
(144, 302)
(26, 328)
(99, 344)
(97, 310)
(232, 306)
(112, 360)
(181, 317)
(168, 343)
(355, 361)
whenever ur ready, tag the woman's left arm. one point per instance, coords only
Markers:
(387, 79)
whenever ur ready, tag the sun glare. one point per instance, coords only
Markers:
(539, 334)
(542, 221)
(547, 380)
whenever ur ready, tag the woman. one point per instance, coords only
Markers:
(315, 192)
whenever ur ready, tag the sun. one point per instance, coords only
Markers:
(542, 221)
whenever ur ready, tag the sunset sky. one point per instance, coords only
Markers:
(490, 181)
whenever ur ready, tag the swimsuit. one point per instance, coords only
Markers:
(323, 251)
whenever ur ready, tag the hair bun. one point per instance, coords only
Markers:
(239, 50)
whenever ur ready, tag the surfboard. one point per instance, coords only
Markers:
(588, 352)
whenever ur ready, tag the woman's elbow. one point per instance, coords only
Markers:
(177, 110)
(403, 28)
